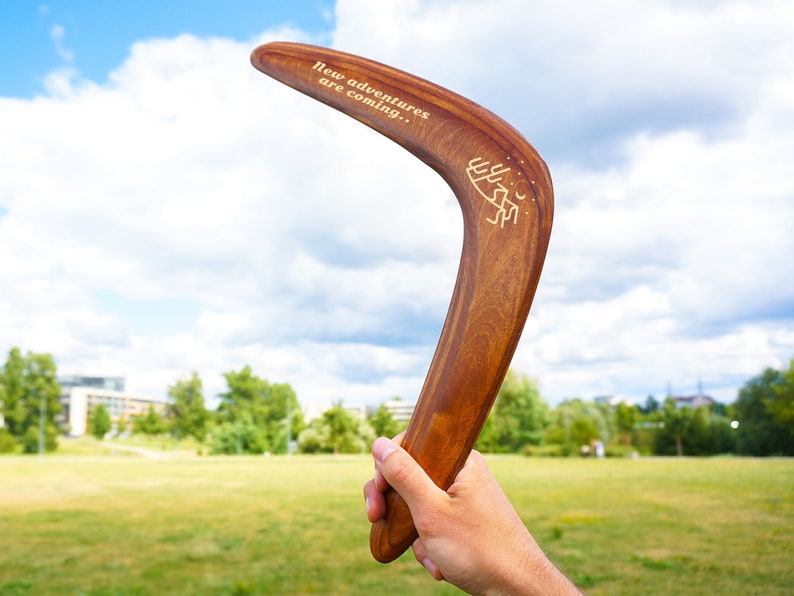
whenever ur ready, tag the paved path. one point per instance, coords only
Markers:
(148, 453)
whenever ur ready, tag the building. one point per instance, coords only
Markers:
(69, 381)
(400, 410)
(693, 401)
(114, 383)
(79, 395)
(357, 412)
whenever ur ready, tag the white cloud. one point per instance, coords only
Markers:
(672, 265)
(575, 76)
(57, 34)
(324, 255)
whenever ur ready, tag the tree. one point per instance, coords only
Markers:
(693, 431)
(282, 403)
(99, 422)
(519, 416)
(13, 392)
(336, 431)
(651, 405)
(186, 414)
(677, 422)
(150, 423)
(246, 396)
(28, 388)
(121, 425)
(41, 379)
(264, 404)
(761, 412)
(237, 438)
(674, 430)
(780, 404)
(576, 423)
(626, 417)
(583, 430)
(719, 435)
(342, 428)
(383, 422)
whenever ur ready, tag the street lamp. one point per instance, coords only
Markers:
(42, 413)
(289, 426)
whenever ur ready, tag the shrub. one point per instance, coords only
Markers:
(237, 437)
(30, 440)
(8, 443)
(552, 450)
(619, 450)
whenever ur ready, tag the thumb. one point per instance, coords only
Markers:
(403, 474)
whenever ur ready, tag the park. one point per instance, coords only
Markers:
(98, 519)
(168, 216)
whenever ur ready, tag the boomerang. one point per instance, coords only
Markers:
(505, 194)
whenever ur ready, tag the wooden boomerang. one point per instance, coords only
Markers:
(505, 192)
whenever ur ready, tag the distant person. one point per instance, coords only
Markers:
(470, 535)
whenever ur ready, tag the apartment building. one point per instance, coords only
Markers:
(79, 395)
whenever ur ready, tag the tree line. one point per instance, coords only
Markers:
(256, 416)
(759, 423)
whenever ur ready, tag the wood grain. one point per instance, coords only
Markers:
(506, 197)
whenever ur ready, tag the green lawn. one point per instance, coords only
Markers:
(125, 524)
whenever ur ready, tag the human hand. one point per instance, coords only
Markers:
(469, 535)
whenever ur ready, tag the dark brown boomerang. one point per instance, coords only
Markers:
(505, 192)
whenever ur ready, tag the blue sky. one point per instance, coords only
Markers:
(95, 37)
(164, 208)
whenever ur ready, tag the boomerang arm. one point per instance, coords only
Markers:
(505, 194)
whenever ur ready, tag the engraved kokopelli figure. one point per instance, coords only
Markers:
(506, 209)
(488, 183)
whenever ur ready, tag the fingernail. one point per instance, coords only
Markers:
(382, 448)
(430, 566)
(366, 503)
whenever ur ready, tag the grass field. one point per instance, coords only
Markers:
(125, 524)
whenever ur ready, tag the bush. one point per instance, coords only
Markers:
(552, 450)
(8, 444)
(237, 437)
(620, 450)
(311, 441)
(30, 440)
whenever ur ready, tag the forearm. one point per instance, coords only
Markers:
(526, 570)
(537, 580)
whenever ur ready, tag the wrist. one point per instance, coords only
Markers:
(532, 574)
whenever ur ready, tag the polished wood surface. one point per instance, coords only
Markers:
(505, 193)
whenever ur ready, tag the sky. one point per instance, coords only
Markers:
(165, 208)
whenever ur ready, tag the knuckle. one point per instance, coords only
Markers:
(398, 470)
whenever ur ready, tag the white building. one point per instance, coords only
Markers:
(358, 412)
(400, 410)
(119, 404)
